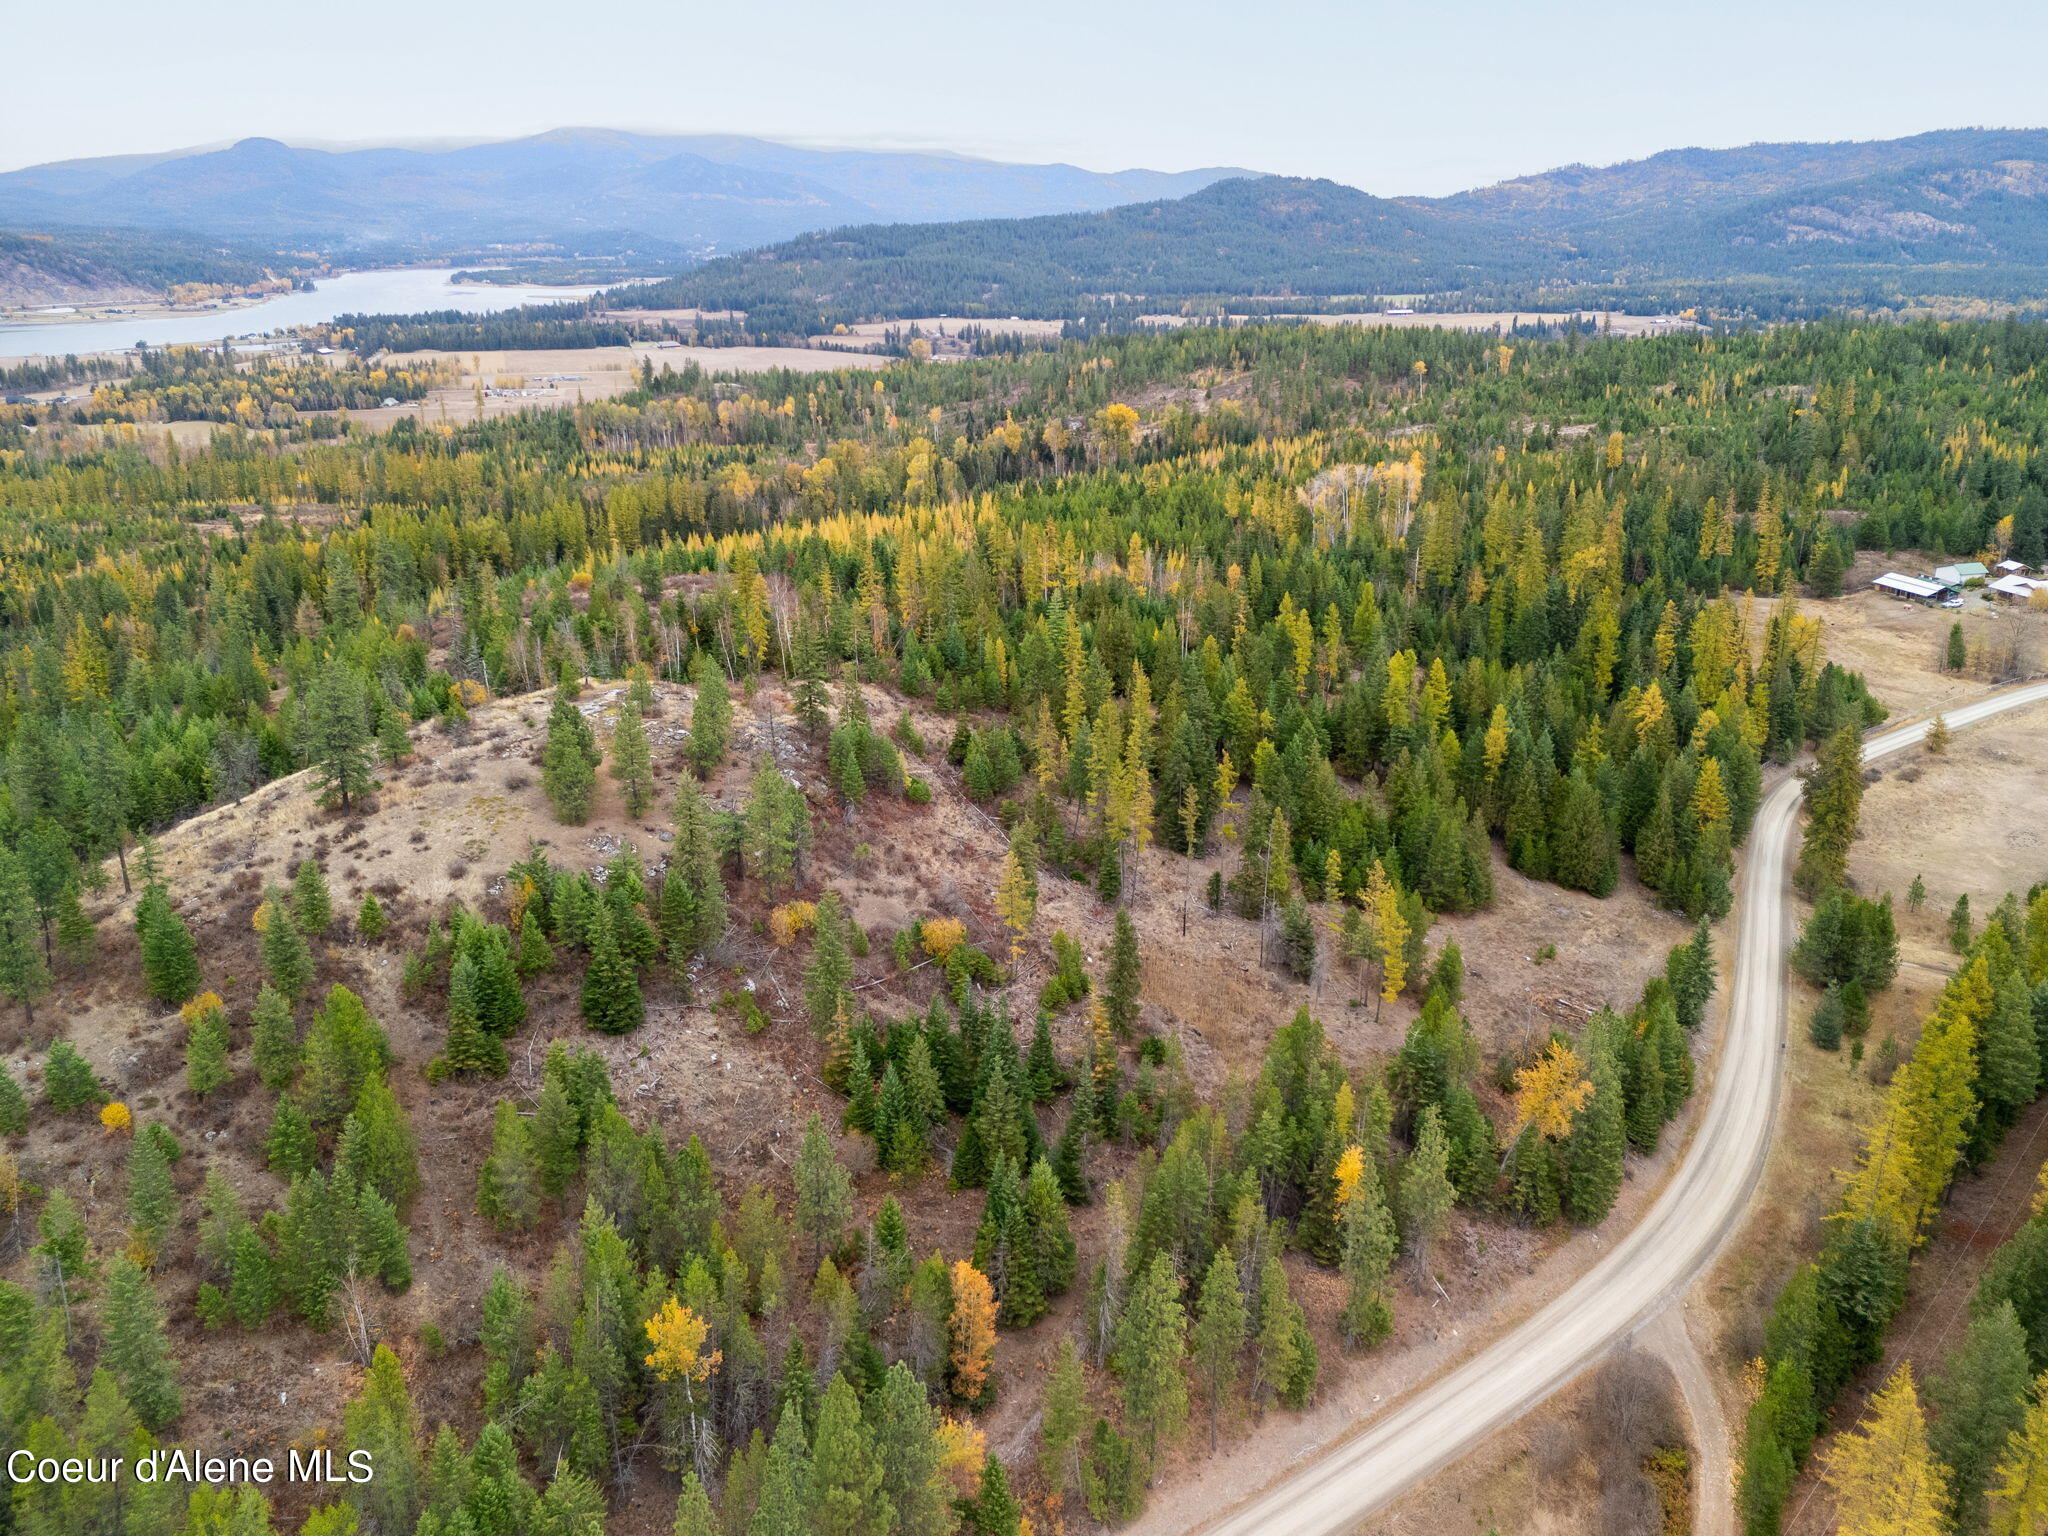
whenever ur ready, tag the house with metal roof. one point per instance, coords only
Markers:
(1962, 571)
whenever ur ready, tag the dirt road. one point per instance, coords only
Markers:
(1648, 1268)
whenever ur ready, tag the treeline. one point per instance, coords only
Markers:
(198, 384)
(529, 328)
(1977, 1065)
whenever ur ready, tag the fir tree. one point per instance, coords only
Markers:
(1426, 1190)
(1120, 986)
(828, 978)
(632, 762)
(170, 963)
(1980, 1405)
(286, 958)
(338, 743)
(311, 904)
(13, 1105)
(23, 967)
(1151, 1349)
(152, 1199)
(274, 1039)
(290, 1149)
(846, 1478)
(824, 1191)
(1218, 1337)
(68, 1083)
(611, 998)
(382, 1422)
(568, 759)
(134, 1346)
(206, 1050)
(710, 716)
(371, 920)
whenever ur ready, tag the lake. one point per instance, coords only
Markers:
(402, 291)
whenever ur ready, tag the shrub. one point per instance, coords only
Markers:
(941, 936)
(790, 920)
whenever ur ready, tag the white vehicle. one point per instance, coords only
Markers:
(1951, 602)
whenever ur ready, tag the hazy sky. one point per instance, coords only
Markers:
(1389, 95)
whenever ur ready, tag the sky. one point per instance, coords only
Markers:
(1394, 96)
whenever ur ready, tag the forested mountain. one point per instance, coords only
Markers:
(568, 188)
(113, 266)
(1768, 230)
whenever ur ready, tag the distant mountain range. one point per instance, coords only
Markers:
(826, 235)
(575, 190)
(1768, 229)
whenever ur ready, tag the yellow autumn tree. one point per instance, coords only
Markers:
(971, 1331)
(116, 1118)
(2019, 1488)
(678, 1335)
(1350, 1169)
(1550, 1091)
(1886, 1479)
(1016, 901)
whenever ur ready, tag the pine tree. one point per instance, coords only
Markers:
(170, 963)
(152, 1199)
(134, 1346)
(692, 905)
(286, 958)
(694, 1516)
(338, 744)
(1824, 1028)
(1834, 800)
(1218, 1337)
(274, 1039)
(910, 1454)
(1151, 1349)
(1597, 1143)
(568, 763)
(1980, 1404)
(206, 1045)
(1120, 986)
(1886, 1479)
(78, 938)
(290, 1148)
(1063, 1415)
(824, 1191)
(68, 1082)
(311, 904)
(1366, 1229)
(1426, 1191)
(252, 1278)
(611, 998)
(13, 1105)
(710, 716)
(846, 1478)
(24, 972)
(994, 1510)
(389, 1160)
(828, 978)
(632, 762)
(470, 1047)
(1957, 654)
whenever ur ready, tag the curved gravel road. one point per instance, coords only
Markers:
(1650, 1266)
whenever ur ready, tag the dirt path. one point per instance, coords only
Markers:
(1713, 1469)
(1698, 1211)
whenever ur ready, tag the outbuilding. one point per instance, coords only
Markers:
(1917, 589)
(1961, 573)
